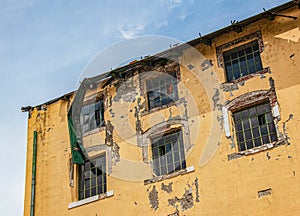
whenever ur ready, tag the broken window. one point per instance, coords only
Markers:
(242, 61)
(92, 177)
(168, 153)
(162, 90)
(92, 116)
(254, 126)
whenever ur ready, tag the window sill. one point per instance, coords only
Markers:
(256, 149)
(91, 199)
(96, 130)
(146, 112)
(228, 85)
(168, 176)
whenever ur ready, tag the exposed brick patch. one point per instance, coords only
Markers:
(152, 71)
(252, 97)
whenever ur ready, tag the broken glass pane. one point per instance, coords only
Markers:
(261, 119)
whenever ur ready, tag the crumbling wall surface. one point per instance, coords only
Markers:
(263, 183)
(260, 174)
(54, 175)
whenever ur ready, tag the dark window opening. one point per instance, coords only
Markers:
(92, 177)
(92, 116)
(162, 90)
(168, 153)
(242, 61)
(261, 119)
(254, 126)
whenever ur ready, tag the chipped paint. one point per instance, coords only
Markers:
(153, 198)
(186, 202)
(167, 188)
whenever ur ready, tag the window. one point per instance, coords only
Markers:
(92, 177)
(168, 153)
(242, 61)
(254, 126)
(92, 116)
(162, 90)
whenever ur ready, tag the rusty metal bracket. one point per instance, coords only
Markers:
(270, 16)
(205, 40)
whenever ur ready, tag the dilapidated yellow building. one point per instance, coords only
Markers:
(209, 127)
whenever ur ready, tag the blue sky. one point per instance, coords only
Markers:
(45, 45)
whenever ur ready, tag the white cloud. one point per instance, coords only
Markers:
(161, 23)
(170, 4)
(173, 4)
(182, 17)
(132, 31)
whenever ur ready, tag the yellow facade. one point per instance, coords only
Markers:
(219, 178)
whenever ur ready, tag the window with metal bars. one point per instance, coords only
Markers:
(162, 90)
(92, 116)
(92, 177)
(254, 126)
(242, 61)
(168, 153)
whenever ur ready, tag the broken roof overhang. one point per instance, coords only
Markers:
(174, 52)
(78, 151)
(237, 26)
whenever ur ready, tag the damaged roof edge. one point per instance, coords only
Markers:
(245, 22)
(180, 47)
(63, 97)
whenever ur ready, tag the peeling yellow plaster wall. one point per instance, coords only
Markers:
(224, 187)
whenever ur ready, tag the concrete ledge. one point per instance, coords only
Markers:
(233, 85)
(257, 149)
(168, 176)
(90, 199)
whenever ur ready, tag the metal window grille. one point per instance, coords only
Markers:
(92, 177)
(168, 153)
(92, 116)
(162, 90)
(254, 126)
(242, 60)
